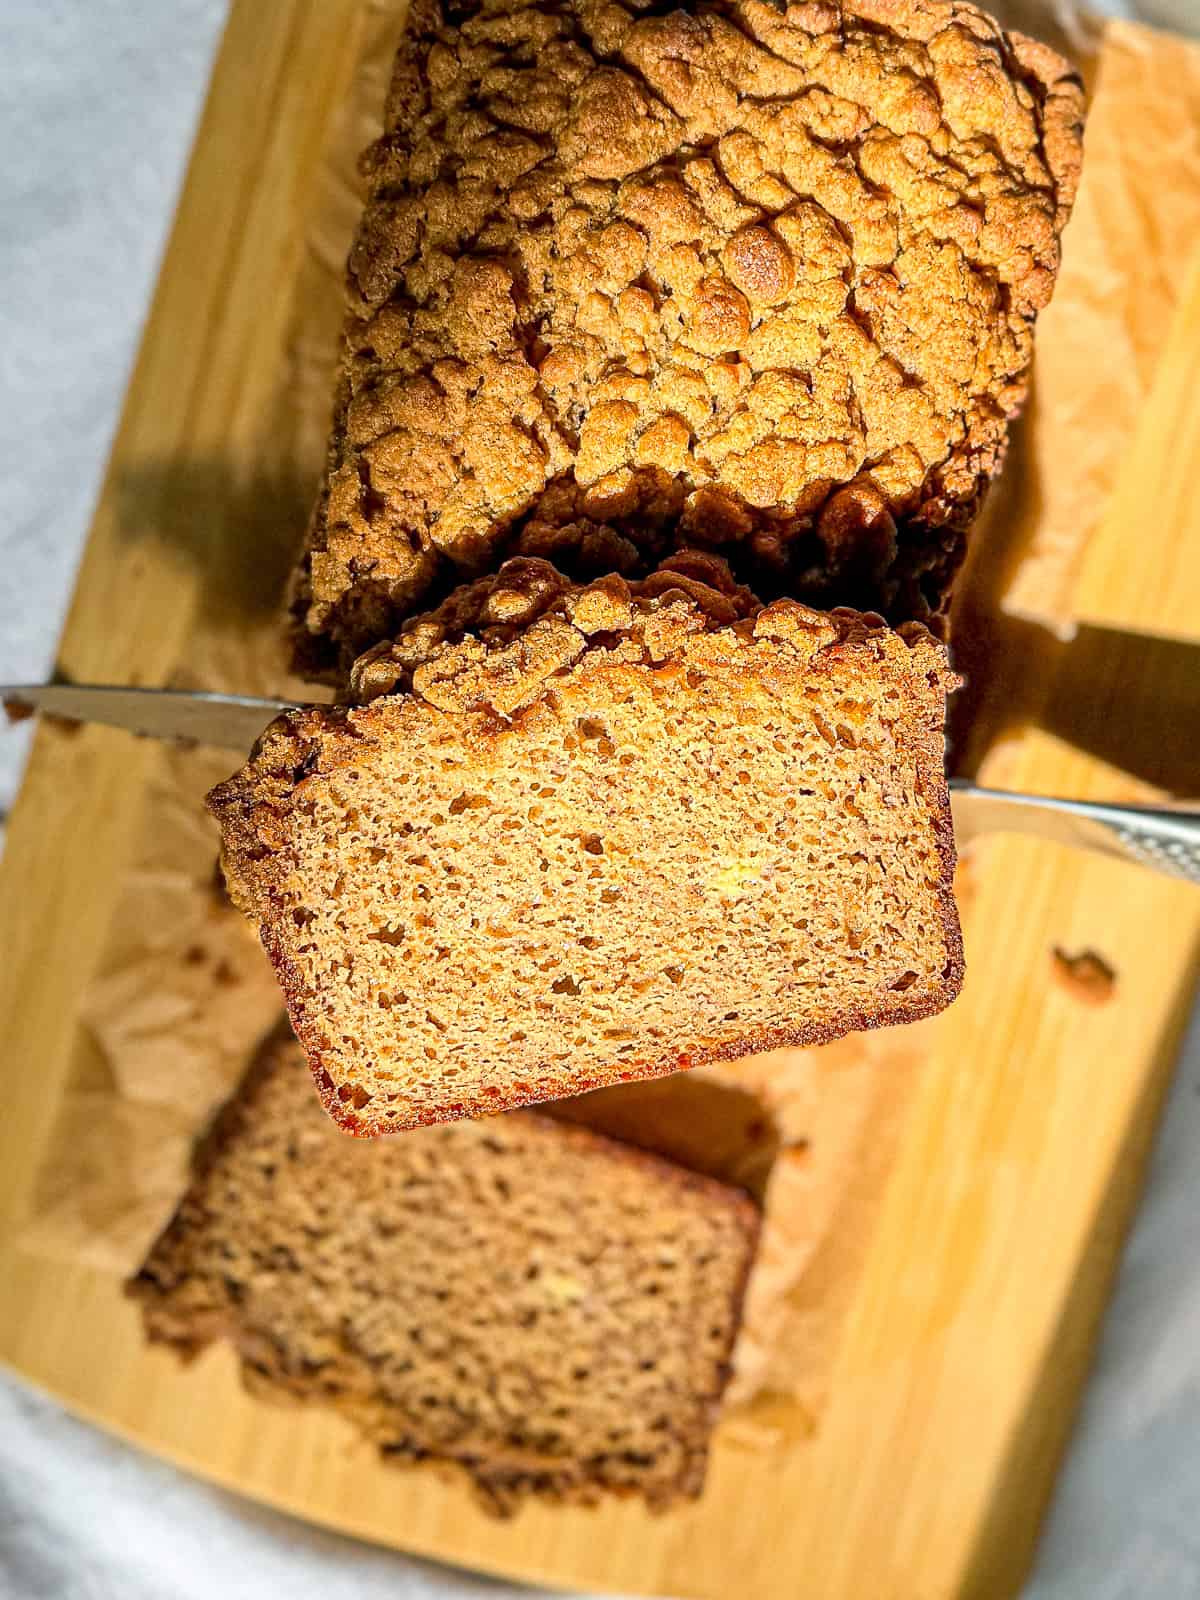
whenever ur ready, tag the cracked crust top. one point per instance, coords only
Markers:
(753, 279)
(497, 643)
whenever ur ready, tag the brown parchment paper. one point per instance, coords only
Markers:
(183, 994)
(1137, 213)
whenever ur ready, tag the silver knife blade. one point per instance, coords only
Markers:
(1166, 838)
(229, 721)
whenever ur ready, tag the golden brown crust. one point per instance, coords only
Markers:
(412, 1287)
(760, 280)
(496, 642)
(486, 708)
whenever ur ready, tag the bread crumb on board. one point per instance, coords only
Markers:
(1086, 975)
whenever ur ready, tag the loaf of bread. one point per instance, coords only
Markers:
(756, 278)
(550, 1309)
(584, 834)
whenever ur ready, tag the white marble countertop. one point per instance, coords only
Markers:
(98, 106)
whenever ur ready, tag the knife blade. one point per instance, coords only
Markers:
(228, 721)
(1166, 838)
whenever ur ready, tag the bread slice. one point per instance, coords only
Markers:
(543, 1305)
(752, 276)
(590, 834)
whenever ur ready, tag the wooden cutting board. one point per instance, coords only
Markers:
(958, 1374)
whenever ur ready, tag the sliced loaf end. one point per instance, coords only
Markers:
(546, 1308)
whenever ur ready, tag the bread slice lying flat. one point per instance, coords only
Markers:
(547, 1307)
(579, 835)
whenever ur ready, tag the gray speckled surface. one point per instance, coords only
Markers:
(98, 105)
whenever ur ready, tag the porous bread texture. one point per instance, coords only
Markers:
(755, 278)
(543, 1306)
(609, 832)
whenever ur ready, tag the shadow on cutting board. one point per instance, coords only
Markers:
(240, 535)
(1121, 696)
(718, 1129)
(1126, 698)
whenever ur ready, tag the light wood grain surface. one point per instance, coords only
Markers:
(959, 1372)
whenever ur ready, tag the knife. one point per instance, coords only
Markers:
(229, 721)
(1166, 838)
